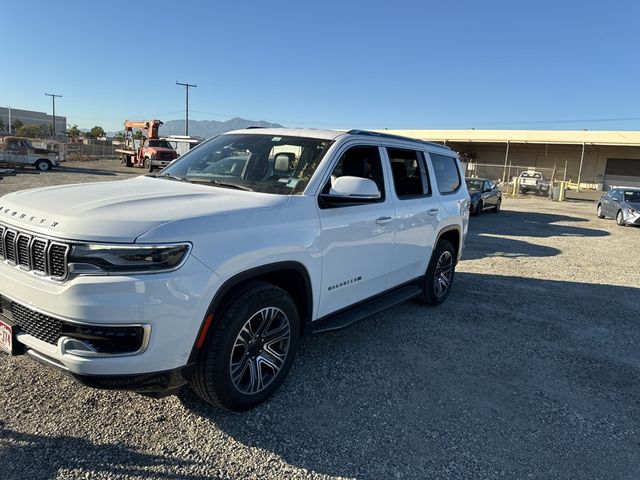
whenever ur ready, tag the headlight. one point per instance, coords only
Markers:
(99, 258)
(153, 156)
(632, 210)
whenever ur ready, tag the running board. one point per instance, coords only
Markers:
(351, 315)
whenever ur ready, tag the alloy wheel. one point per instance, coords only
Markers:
(443, 274)
(260, 350)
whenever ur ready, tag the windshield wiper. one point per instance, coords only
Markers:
(173, 177)
(219, 183)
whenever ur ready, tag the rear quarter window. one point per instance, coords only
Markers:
(445, 169)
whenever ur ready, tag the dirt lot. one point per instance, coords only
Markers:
(529, 370)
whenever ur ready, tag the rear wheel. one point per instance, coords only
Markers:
(496, 209)
(620, 218)
(127, 161)
(250, 348)
(599, 211)
(439, 277)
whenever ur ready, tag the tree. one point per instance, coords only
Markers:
(137, 135)
(73, 132)
(31, 131)
(2, 126)
(119, 136)
(17, 123)
(96, 132)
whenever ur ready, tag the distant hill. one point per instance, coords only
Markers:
(210, 128)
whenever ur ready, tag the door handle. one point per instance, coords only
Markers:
(433, 211)
(383, 220)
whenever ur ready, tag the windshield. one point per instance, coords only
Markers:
(261, 163)
(632, 196)
(473, 184)
(160, 143)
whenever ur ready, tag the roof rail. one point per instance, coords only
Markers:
(395, 137)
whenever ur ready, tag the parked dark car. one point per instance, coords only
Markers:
(484, 195)
(621, 203)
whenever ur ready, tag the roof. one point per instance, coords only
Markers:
(578, 137)
(294, 132)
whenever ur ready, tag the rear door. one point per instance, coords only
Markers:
(356, 240)
(416, 213)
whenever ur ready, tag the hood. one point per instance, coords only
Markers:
(161, 149)
(44, 151)
(121, 211)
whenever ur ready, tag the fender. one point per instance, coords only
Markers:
(256, 273)
(450, 228)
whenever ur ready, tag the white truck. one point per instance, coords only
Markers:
(20, 151)
(210, 272)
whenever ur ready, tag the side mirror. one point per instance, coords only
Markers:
(351, 191)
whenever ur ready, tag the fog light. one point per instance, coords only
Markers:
(97, 339)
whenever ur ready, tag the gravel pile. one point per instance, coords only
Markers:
(529, 370)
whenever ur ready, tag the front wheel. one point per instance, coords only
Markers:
(620, 218)
(496, 209)
(599, 212)
(439, 277)
(250, 348)
(478, 209)
(148, 165)
(43, 165)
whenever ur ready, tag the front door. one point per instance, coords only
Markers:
(356, 240)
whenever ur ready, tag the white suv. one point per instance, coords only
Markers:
(209, 272)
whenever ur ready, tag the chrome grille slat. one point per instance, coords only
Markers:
(23, 257)
(32, 253)
(2, 229)
(10, 245)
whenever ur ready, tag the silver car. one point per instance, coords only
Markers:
(621, 203)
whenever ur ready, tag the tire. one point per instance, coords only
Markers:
(522, 191)
(434, 290)
(43, 165)
(478, 209)
(148, 165)
(496, 209)
(620, 218)
(127, 161)
(599, 211)
(235, 350)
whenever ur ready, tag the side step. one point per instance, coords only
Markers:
(351, 315)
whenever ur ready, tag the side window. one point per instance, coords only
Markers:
(361, 162)
(409, 174)
(446, 172)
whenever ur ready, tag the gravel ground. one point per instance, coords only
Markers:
(529, 370)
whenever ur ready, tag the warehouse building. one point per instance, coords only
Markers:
(593, 159)
(29, 117)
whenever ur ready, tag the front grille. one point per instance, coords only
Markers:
(104, 339)
(43, 327)
(31, 253)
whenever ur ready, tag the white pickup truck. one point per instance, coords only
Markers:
(20, 151)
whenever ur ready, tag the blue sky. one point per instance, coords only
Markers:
(350, 64)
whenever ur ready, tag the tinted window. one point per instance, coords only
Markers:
(409, 175)
(361, 162)
(446, 171)
(632, 196)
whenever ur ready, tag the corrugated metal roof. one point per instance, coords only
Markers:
(589, 137)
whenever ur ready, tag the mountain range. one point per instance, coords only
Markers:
(210, 128)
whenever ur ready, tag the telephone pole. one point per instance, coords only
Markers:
(186, 121)
(53, 98)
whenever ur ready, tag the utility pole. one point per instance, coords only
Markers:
(9, 120)
(186, 121)
(53, 98)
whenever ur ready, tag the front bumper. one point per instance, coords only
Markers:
(171, 304)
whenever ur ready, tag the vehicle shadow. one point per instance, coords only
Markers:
(510, 377)
(49, 455)
(490, 235)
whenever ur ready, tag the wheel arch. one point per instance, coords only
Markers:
(452, 234)
(293, 277)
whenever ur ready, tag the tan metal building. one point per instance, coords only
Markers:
(594, 159)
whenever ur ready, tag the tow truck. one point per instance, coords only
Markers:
(151, 152)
